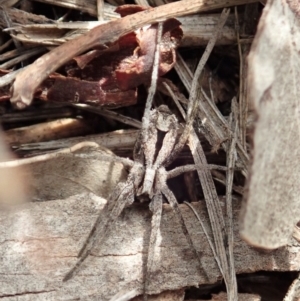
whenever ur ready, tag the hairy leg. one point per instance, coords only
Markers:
(156, 208)
(122, 197)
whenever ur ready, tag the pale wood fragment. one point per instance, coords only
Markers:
(51, 130)
(116, 141)
(272, 202)
(61, 174)
(40, 241)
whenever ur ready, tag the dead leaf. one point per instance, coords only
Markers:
(73, 173)
(272, 208)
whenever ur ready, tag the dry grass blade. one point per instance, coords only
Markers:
(26, 54)
(216, 126)
(192, 105)
(29, 80)
(41, 158)
(110, 114)
(197, 30)
(85, 6)
(213, 206)
(231, 157)
(243, 99)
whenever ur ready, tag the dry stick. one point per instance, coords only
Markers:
(49, 156)
(191, 110)
(212, 114)
(13, 53)
(26, 55)
(213, 205)
(152, 88)
(8, 22)
(211, 199)
(30, 79)
(9, 77)
(116, 140)
(100, 10)
(219, 177)
(215, 124)
(5, 45)
(231, 156)
(109, 114)
(70, 150)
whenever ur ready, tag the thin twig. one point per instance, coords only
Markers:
(110, 114)
(153, 85)
(49, 156)
(5, 45)
(26, 54)
(243, 104)
(192, 105)
(216, 126)
(213, 207)
(9, 77)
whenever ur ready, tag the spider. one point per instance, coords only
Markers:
(148, 175)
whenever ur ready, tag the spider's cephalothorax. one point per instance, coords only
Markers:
(152, 161)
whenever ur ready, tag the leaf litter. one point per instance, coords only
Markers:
(223, 136)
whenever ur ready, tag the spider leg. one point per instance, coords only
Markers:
(156, 208)
(173, 202)
(122, 197)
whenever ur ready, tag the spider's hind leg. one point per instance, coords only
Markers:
(121, 198)
(156, 208)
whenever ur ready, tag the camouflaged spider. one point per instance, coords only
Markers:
(148, 175)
